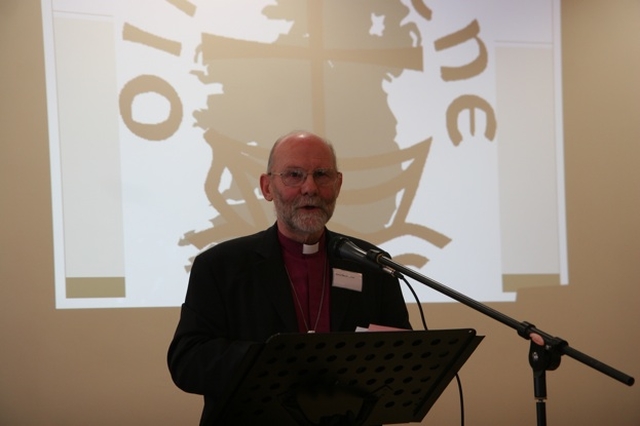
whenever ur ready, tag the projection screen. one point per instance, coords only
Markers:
(446, 117)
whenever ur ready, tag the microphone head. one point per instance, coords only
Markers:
(344, 248)
(335, 244)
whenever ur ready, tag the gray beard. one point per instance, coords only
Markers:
(308, 223)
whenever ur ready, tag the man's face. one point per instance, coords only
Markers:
(303, 209)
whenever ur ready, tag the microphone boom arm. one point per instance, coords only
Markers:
(555, 346)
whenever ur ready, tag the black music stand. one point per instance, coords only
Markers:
(362, 378)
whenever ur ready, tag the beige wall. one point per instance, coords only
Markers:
(107, 367)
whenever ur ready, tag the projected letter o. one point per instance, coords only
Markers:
(150, 131)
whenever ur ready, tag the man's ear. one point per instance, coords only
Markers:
(265, 180)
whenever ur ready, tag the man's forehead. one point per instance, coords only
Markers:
(303, 150)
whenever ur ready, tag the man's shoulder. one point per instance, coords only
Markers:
(234, 246)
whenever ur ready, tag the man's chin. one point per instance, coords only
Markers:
(310, 223)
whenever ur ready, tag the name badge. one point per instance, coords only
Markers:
(347, 279)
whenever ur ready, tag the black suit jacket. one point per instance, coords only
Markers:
(239, 294)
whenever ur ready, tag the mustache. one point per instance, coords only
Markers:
(310, 202)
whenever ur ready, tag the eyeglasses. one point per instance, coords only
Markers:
(296, 177)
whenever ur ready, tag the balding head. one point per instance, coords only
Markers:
(299, 137)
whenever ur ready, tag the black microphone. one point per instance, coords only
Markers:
(345, 249)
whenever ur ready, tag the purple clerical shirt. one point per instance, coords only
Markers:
(308, 270)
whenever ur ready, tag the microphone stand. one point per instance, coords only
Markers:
(544, 352)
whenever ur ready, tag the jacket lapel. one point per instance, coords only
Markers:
(272, 279)
(340, 298)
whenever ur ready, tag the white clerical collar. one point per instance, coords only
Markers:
(310, 249)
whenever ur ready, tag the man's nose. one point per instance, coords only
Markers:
(309, 185)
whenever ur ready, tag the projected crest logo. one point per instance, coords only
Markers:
(405, 90)
(326, 75)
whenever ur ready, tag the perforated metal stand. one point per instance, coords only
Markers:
(347, 378)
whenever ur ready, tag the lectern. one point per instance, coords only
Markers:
(350, 379)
